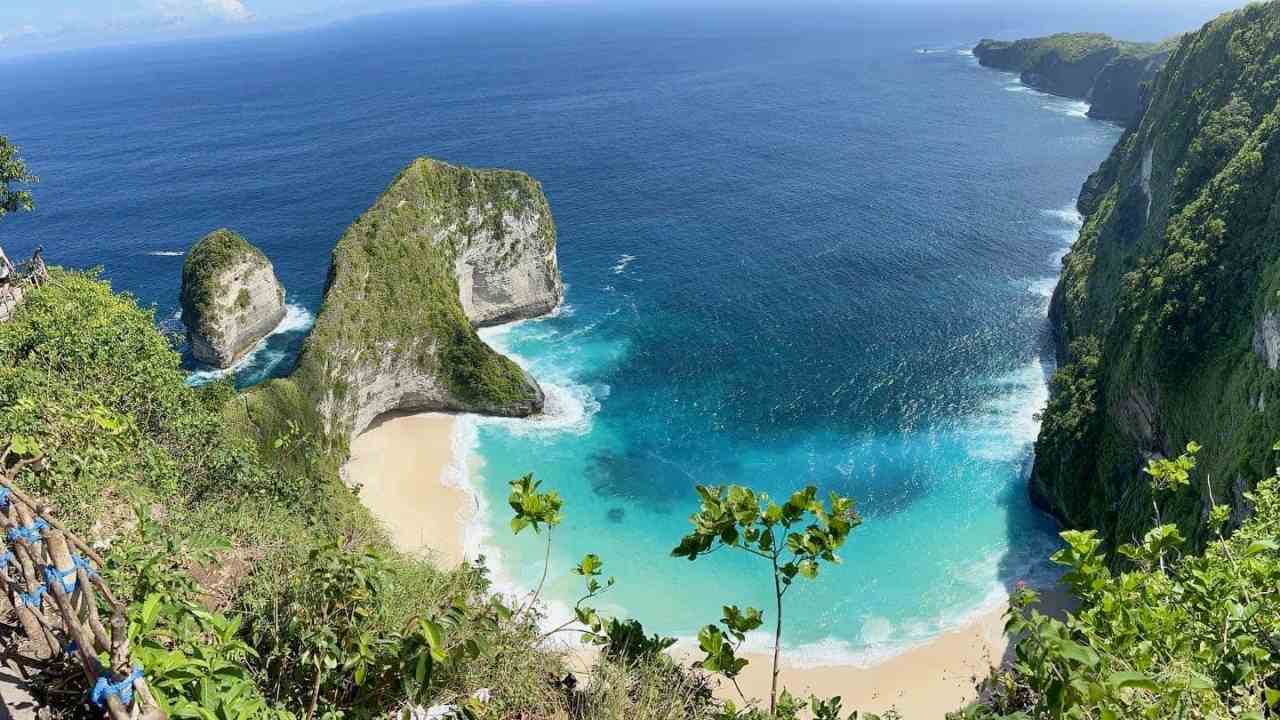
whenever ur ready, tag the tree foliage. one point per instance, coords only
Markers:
(13, 174)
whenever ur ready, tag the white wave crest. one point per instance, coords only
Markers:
(1006, 426)
(1043, 287)
(623, 262)
(1070, 108)
(296, 319)
(1067, 214)
(569, 405)
(165, 253)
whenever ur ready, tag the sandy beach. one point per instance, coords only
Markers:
(923, 683)
(400, 462)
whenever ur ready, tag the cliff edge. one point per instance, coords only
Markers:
(1165, 316)
(1110, 74)
(230, 298)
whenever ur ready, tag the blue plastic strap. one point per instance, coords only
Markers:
(30, 533)
(104, 688)
(84, 564)
(53, 575)
(32, 599)
(4, 495)
(6, 558)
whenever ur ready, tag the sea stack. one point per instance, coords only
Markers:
(231, 298)
(445, 250)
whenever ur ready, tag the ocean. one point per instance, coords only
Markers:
(811, 245)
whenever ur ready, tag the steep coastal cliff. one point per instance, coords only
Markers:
(230, 298)
(1110, 74)
(444, 250)
(1166, 314)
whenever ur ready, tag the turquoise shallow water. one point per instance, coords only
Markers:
(798, 248)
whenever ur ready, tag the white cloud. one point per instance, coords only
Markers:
(15, 33)
(232, 10)
(188, 13)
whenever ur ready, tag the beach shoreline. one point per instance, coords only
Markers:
(403, 464)
(400, 464)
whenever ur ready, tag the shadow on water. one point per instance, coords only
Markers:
(1031, 543)
(643, 476)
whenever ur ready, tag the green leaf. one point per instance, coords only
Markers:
(1132, 679)
(1077, 652)
(1260, 546)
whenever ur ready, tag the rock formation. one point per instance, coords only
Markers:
(1166, 314)
(444, 250)
(231, 298)
(1266, 339)
(1110, 74)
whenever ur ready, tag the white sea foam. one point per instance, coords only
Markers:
(1068, 222)
(1043, 287)
(881, 639)
(1070, 108)
(570, 407)
(1007, 426)
(462, 472)
(622, 264)
(296, 319)
(165, 253)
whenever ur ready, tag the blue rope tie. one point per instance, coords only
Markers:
(30, 533)
(123, 690)
(4, 495)
(83, 564)
(72, 648)
(6, 558)
(53, 575)
(32, 599)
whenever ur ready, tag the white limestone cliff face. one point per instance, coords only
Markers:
(231, 298)
(1266, 339)
(496, 285)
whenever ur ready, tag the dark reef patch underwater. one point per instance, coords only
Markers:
(797, 252)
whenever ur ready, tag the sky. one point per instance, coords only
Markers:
(38, 26)
(29, 26)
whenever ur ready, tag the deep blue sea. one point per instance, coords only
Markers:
(802, 245)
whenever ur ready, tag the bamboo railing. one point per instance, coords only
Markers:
(60, 599)
(30, 274)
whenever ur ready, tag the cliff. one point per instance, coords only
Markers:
(444, 250)
(1166, 314)
(230, 298)
(1108, 73)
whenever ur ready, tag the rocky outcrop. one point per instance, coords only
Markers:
(1119, 90)
(230, 298)
(445, 249)
(1110, 74)
(1173, 284)
(1266, 341)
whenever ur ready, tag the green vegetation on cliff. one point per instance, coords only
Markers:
(1177, 635)
(259, 587)
(1176, 267)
